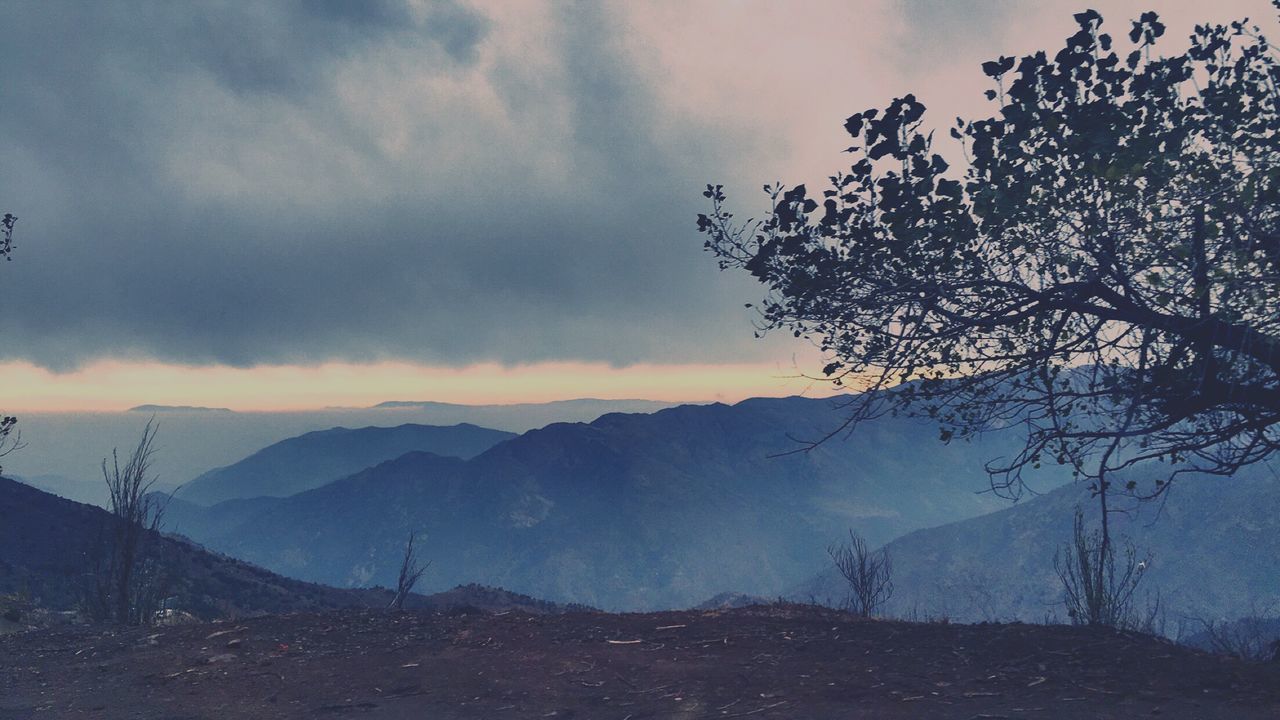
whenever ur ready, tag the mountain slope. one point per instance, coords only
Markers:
(308, 461)
(629, 511)
(45, 540)
(1215, 544)
(202, 521)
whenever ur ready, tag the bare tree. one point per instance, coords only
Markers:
(411, 571)
(1255, 638)
(126, 573)
(10, 438)
(868, 574)
(1098, 588)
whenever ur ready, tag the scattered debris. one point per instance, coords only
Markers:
(220, 633)
(424, 664)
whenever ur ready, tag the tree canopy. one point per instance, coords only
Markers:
(1105, 272)
(6, 235)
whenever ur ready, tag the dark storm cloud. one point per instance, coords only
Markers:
(297, 182)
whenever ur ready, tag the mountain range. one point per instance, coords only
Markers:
(190, 441)
(668, 509)
(630, 511)
(315, 458)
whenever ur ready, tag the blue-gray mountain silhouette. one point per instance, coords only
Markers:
(311, 460)
(630, 511)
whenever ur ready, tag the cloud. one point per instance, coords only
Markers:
(427, 180)
(297, 182)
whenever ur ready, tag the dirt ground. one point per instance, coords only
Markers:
(762, 662)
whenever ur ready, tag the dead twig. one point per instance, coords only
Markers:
(652, 690)
(754, 712)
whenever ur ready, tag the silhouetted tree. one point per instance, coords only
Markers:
(867, 574)
(1105, 273)
(125, 580)
(411, 571)
(6, 235)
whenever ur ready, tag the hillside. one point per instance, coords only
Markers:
(203, 521)
(44, 540)
(301, 463)
(775, 663)
(630, 511)
(1215, 542)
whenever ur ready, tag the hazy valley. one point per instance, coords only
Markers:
(630, 511)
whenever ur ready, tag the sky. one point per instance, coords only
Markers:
(316, 202)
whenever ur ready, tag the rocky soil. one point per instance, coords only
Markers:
(780, 661)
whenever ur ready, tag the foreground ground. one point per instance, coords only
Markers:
(764, 662)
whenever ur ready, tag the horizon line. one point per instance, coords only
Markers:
(114, 386)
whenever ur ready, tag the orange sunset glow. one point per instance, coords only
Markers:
(119, 385)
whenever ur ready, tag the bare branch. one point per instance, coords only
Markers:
(411, 571)
(868, 574)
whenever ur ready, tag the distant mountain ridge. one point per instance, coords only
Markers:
(177, 408)
(631, 511)
(1215, 544)
(73, 444)
(578, 405)
(310, 460)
